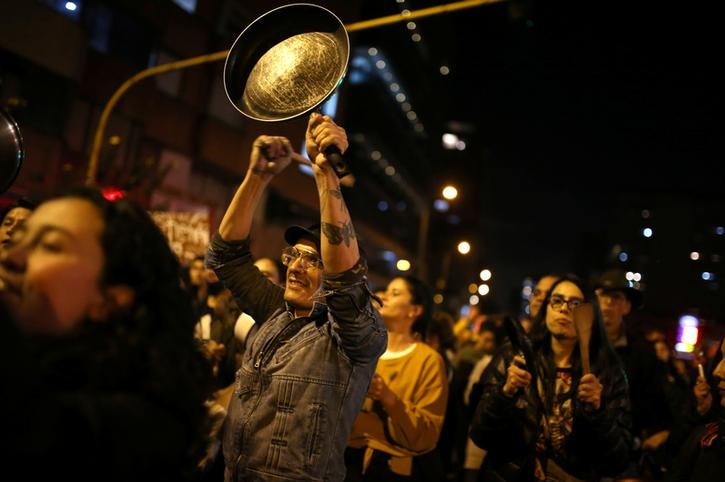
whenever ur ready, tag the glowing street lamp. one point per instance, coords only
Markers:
(450, 192)
(464, 247)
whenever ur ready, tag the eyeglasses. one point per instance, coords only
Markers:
(307, 259)
(557, 302)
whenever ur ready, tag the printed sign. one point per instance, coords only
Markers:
(188, 233)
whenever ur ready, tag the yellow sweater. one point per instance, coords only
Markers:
(412, 427)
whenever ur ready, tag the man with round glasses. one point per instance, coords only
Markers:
(308, 259)
(309, 360)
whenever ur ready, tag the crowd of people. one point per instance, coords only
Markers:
(121, 364)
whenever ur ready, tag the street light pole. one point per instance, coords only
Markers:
(423, 228)
(445, 271)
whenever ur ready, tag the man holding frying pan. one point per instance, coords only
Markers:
(310, 357)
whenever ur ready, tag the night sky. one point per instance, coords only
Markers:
(577, 117)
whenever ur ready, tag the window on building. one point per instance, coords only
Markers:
(99, 20)
(119, 34)
(233, 17)
(187, 5)
(68, 8)
(168, 82)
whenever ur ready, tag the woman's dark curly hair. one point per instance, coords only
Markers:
(149, 346)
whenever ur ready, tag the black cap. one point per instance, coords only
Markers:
(616, 280)
(294, 233)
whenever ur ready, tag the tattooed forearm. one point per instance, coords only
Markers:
(337, 194)
(338, 234)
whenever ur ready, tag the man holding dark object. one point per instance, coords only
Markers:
(311, 355)
(618, 297)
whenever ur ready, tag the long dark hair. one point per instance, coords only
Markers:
(147, 347)
(604, 359)
(138, 255)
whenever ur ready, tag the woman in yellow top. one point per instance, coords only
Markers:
(405, 406)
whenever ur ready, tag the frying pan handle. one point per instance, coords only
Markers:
(339, 165)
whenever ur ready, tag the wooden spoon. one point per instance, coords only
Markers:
(583, 320)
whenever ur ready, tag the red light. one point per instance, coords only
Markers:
(113, 193)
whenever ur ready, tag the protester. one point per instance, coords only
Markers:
(12, 217)
(268, 267)
(310, 356)
(395, 434)
(651, 420)
(702, 456)
(540, 416)
(440, 337)
(196, 280)
(101, 376)
(540, 292)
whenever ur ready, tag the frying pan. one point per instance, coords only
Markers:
(286, 63)
(12, 153)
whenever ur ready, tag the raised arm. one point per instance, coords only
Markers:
(270, 155)
(339, 243)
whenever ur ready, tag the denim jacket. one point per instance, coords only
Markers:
(303, 380)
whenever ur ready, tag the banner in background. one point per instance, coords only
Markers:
(188, 233)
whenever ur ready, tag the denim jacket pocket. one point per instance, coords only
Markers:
(299, 435)
(316, 433)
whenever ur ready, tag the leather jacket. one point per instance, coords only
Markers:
(508, 427)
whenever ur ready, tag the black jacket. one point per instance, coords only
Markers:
(702, 456)
(508, 427)
(94, 406)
